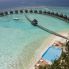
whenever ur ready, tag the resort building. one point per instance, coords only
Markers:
(51, 54)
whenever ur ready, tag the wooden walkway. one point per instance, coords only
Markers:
(47, 30)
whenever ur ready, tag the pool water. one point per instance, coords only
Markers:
(52, 53)
(19, 40)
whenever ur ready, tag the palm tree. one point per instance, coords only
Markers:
(26, 11)
(1, 14)
(31, 11)
(67, 45)
(11, 12)
(40, 11)
(21, 11)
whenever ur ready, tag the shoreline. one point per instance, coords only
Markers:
(45, 45)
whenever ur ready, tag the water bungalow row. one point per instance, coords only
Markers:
(65, 17)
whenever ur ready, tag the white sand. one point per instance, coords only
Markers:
(45, 46)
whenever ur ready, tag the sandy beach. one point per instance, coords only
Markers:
(45, 46)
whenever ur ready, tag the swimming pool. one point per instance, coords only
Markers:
(19, 40)
(52, 53)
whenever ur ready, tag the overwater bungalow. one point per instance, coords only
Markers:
(56, 14)
(21, 11)
(40, 11)
(16, 11)
(1, 14)
(65, 16)
(26, 11)
(61, 15)
(35, 11)
(52, 13)
(31, 11)
(11, 12)
(6, 13)
(44, 12)
(48, 12)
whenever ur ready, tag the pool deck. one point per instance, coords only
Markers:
(55, 41)
(57, 44)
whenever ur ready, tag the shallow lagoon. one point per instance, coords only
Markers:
(19, 40)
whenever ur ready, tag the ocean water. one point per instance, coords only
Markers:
(19, 40)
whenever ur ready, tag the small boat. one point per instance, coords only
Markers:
(15, 18)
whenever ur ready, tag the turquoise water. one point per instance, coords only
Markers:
(53, 53)
(19, 40)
